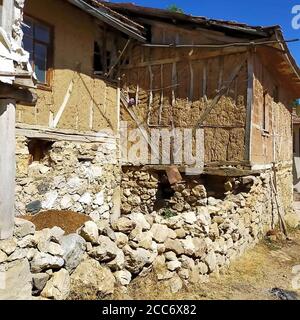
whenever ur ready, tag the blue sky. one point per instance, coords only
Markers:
(254, 12)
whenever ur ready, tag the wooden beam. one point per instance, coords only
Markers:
(45, 133)
(150, 96)
(23, 96)
(161, 104)
(248, 133)
(191, 93)
(199, 57)
(7, 167)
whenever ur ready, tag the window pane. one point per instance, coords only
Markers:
(27, 27)
(28, 44)
(40, 62)
(42, 33)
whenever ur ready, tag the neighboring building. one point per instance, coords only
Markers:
(15, 80)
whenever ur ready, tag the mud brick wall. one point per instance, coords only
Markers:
(177, 94)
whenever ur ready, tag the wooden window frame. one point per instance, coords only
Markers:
(50, 52)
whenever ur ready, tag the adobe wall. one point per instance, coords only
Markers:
(173, 88)
(275, 144)
(92, 105)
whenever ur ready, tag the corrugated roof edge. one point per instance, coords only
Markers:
(110, 17)
(167, 14)
(256, 31)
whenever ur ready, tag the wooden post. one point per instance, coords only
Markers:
(250, 97)
(7, 167)
(8, 16)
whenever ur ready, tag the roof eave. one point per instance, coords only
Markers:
(103, 16)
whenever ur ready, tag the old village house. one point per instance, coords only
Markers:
(100, 65)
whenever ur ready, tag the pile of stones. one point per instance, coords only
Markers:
(179, 249)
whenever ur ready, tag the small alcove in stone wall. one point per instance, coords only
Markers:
(39, 150)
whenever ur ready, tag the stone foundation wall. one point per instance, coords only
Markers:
(81, 177)
(180, 248)
(146, 191)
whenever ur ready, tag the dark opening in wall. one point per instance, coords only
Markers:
(39, 150)
(164, 193)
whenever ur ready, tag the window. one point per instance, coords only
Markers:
(102, 61)
(37, 41)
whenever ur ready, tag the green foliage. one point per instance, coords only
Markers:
(295, 103)
(174, 8)
(168, 213)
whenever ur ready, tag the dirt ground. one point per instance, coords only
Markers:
(250, 277)
(69, 221)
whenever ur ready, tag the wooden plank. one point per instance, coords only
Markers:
(150, 96)
(248, 133)
(204, 55)
(161, 104)
(33, 131)
(204, 83)
(174, 83)
(191, 93)
(63, 105)
(139, 124)
(7, 167)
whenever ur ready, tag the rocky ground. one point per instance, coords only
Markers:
(251, 277)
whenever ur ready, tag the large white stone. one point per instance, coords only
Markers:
(140, 220)
(173, 265)
(160, 232)
(15, 280)
(137, 259)
(89, 232)
(53, 248)
(58, 287)
(23, 228)
(92, 279)
(124, 224)
(123, 277)
(66, 202)
(8, 246)
(3, 256)
(106, 251)
(211, 261)
(43, 261)
(99, 199)
(74, 183)
(50, 198)
(86, 198)
(74, 248)
(189, 217)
